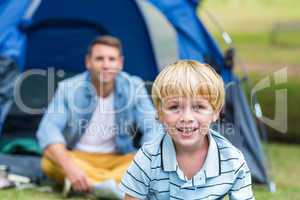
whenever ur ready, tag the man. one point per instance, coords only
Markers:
(86, 133)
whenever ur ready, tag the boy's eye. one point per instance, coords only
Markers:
(173, 107)
(198, 107)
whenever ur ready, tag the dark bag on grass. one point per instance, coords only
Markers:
(23, 165)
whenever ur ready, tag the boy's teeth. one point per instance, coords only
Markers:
(187, 129)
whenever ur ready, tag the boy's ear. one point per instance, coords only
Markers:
(216, 115)
(156, 116)
(159, 116)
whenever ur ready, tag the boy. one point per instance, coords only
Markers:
(190, 161)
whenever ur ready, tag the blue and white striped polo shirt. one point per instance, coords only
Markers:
(154, 173)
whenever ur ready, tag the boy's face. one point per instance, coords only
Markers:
(104, 62)
(187, 120)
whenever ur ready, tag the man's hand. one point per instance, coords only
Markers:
(77, 177)
(59, 154)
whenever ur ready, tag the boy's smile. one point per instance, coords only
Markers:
(187, 120)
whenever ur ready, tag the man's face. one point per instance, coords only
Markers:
(104, 62)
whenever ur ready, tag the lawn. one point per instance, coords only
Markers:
(251, 24)
(253, 15)
(285, 170)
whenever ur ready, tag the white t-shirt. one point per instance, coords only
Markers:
(99, 136)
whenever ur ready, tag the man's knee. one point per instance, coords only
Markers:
(52, 170)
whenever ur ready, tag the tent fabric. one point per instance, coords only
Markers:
(8, 75)
(12, 41)
(192, 36)
(87, 20)
(57, 34)
(245, 134)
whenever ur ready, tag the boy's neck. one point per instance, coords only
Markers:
(202, 146)
(196, 155)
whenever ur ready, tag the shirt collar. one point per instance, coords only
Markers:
(88, 79)
(120, 83)
(211, 165)
(168, 154)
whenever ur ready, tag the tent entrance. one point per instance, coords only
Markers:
(59, 43)
(29, 105)
(64, 41)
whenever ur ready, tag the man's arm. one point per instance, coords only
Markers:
(52, 141)
(59, 154)
(54, 120)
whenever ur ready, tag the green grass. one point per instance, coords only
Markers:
(250, 24)
(285, 167)
(253, 15)
(13, 194)
(257, 48)
(33, 194)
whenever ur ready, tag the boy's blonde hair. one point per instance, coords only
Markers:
(189, 78)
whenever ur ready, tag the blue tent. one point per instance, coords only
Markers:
(40, 34)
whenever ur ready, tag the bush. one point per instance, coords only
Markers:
(266, 98)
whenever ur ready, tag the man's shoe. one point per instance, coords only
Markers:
(107, 189)
(5, 183)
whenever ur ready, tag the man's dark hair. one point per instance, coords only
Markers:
(105, 40)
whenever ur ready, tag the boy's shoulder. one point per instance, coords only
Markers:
(226, 148)
(153, 148)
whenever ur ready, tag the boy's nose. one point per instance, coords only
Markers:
(187, 116)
